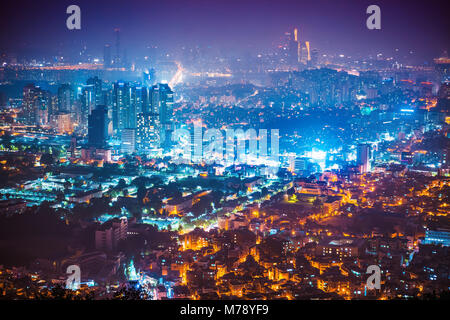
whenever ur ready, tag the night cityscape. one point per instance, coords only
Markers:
(224, 150)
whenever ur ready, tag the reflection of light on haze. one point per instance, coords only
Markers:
(178, 77)
(351, 156)
(317, 155)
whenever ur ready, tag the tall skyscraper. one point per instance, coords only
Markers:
(30, 95)
(65, 98)
(308, 53)
(98, 127)
(35, 105)
(304, 52)
(87, 100)
(62, 122)
(107, 56)
(148, 132)
(293, 48)
(140, 97)
(443, 103)
(53, 106)
(363, 157)
(314, 57)
(442, 66)
(124, 108)
(162, 103)
(97, 87)
(128, 138)
(197, 142)
(149, 77)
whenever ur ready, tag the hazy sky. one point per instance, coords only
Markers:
(330, 25)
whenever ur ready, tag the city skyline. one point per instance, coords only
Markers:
(208, 150)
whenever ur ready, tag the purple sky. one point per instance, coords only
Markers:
(330, 25)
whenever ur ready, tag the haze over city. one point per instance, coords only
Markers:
(234, 27)
(224, 150)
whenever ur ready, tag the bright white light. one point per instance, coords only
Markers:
(318, 155)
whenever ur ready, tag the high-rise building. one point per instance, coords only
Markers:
(162, 103)
(98, 127)
(128, 139)
(314, 58)
(87, 98)
(363, 157)
(30, 95)
(53, 106)
(87, 104)
(442, 66)
(443, 103)
(124, 108)
(96, 83)
(147, 133)
(110, 233)
(140, 97)
(65, 98)
(107, 100)
(42, 110)
(308, 52)
(440, 236)
(197, 142)
(298, 164)
(62, 122)
(304, 52)
(107, 56)
(148, 77)
(293, 48)
(35, 105)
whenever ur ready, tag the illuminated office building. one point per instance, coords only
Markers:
(87, 103)
(161, 103)
(65, 98)
(62, 122)
(147, 132)
(35, 105)
(140, 97)
(123, 112)
(363, 157)
(98, 127)
(437, 237)
(96, 84)
(128, 140)
(107, 56)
